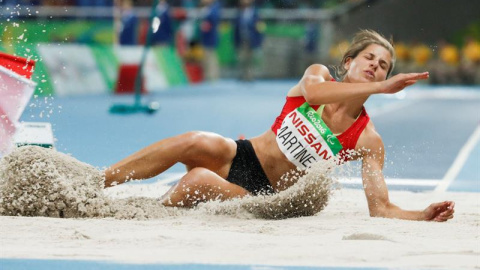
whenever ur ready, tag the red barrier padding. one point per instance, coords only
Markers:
(17, 64)
(194, 72)
(127, 74)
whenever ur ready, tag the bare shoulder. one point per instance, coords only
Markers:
(370, 141)
(315, 73)
(318, 70)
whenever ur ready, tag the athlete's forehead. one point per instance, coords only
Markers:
(378, 51)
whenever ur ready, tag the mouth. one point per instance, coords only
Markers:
(370, 74)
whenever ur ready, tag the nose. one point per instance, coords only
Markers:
(374, 65)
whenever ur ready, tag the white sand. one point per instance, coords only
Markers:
(341, 235)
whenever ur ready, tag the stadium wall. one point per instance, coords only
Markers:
(428, 21)
(65, 69)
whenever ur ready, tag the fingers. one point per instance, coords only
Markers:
(445, 211)
(405, 80)
(417, 76)
(440, 206)
(408, 83)
(452, 204)
(443, 218)
(408, 77)
(446, 206)
(448, 214)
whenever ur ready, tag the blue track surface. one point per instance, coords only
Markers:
(468, 178)
(17, 264)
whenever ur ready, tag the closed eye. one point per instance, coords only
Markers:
(383, 64)
(369, 56)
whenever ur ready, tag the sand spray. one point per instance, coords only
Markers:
(36, 181)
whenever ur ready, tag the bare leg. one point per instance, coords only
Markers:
(194, 149)
(200, 185)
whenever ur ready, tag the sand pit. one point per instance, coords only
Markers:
(342, 234)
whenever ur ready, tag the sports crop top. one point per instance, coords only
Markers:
(304, 138)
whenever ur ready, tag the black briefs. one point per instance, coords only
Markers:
(247, 172)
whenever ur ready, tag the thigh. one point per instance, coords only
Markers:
(210, 151)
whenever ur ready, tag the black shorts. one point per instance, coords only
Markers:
(247, 172)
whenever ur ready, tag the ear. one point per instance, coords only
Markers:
(347, 64)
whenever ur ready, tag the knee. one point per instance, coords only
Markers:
(195, 178)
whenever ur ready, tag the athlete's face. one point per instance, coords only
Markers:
(370, 65)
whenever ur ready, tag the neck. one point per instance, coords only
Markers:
(351, 107)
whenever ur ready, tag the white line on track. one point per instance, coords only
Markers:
(459, 161)
(396, 182)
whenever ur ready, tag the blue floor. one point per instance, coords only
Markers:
(468, 178)
(20, 264)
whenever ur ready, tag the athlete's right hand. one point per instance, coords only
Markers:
(398, 82)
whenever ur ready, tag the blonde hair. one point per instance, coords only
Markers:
(362, 40)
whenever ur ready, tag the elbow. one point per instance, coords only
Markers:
(376, 213)
(380, 209)
(308, 91)
(309, 97)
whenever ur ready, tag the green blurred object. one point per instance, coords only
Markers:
(291, 30)
(226, 47)
(171, 64)
(137, 106)
(149, 108)
(107, 63)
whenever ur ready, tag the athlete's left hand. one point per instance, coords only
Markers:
(398, 82)
(439, 212)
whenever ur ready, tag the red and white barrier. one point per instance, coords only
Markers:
(15, 92)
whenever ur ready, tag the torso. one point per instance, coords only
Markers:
(274, 161)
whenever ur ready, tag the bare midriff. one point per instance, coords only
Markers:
(273, 161)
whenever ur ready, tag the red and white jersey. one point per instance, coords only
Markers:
(304, 138)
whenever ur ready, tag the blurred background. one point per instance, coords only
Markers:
(195, 41)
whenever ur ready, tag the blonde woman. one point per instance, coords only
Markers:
(321, 118)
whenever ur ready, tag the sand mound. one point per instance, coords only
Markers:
(305, 198)
(308, 196)
(35, 181)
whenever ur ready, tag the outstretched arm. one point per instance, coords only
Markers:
(376, 190)
(317, 87)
